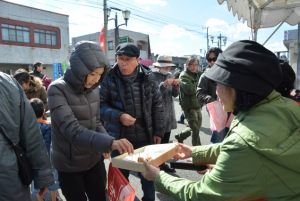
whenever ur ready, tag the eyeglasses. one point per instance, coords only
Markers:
(212, 59)
(195, 65)
(125, 60)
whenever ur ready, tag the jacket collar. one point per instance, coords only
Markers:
(240, 116)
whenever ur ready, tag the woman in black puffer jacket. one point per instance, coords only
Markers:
(79, 140)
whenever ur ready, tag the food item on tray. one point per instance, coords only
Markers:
(142, 159)
(188, 160)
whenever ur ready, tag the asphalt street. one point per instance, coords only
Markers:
(205, 135)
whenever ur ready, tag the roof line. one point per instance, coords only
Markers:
(33, 8)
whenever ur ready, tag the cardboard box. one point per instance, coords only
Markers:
(187, 164)
(160, 153)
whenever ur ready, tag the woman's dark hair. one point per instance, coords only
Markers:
(22, 76)
(37, 106)
(37, 64)
(215, 50)
(244, 101)
(288, 80)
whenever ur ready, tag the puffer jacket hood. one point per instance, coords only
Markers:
(86, 56)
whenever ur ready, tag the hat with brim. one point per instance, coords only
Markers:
(164, 61)
(247, 66)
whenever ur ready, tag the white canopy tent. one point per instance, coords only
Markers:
(267, 13)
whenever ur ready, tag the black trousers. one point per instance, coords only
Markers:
(76, 185)
(166, 138)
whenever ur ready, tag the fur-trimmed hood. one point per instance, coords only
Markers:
(35, 83)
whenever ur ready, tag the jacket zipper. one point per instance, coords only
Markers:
(91, 122)
(131, 90)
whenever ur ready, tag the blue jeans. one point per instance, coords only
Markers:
(148, 187)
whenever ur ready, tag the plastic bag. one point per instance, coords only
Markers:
(218, 117)
(119, 189)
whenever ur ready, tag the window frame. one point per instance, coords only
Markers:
(112, 45)
(31, 27)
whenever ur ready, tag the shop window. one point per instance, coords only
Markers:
(15, 33)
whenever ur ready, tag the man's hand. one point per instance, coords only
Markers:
(106, 155)
(126, 119)
(123, 146)
(43, 191)
(168, 82)
(151, 171)
(176, 81)
(184, 152)
(209, 167)
(156, 139)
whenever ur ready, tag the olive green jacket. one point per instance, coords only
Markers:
(259, 158)
(188, 82)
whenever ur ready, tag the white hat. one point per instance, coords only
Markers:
(164, 61)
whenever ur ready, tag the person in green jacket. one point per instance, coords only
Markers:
(188, 101)
(259, 158)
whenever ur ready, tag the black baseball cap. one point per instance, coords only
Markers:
(128, 49)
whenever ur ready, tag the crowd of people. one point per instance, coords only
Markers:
(98, 112)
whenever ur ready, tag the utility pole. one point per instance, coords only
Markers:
(220, 41)
(207, 39)
(116, 31)
(105, 26)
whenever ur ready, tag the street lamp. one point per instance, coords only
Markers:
(219, 40)
(126, 15)
(224, 40)
(212, 40)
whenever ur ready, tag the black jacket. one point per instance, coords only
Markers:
(36, 74)
(206, 89)
(113, 104)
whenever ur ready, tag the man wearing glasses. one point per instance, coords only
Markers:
(131, 105)
(188, 101)
(206, 90)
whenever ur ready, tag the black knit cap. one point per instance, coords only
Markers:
(128, 49)
(247, 66)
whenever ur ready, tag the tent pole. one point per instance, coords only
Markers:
(274, 32)
(298, 61)
(255, 34)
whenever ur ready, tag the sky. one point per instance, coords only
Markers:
(175, 27)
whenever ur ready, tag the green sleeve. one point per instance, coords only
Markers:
(187, 85)
(237, 175)
(206, 154)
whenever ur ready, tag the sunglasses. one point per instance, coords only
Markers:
(212, 59)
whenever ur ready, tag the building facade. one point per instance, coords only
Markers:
(28, 35)
(291, 43)
(139, 39)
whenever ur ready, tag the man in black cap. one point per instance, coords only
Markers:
(131, 106)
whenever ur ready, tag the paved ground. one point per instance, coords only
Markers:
(205, 135)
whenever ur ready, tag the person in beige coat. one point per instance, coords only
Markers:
(33, 86)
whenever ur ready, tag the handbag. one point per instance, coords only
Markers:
(218, 117)
(119, 189)
(25, 170)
